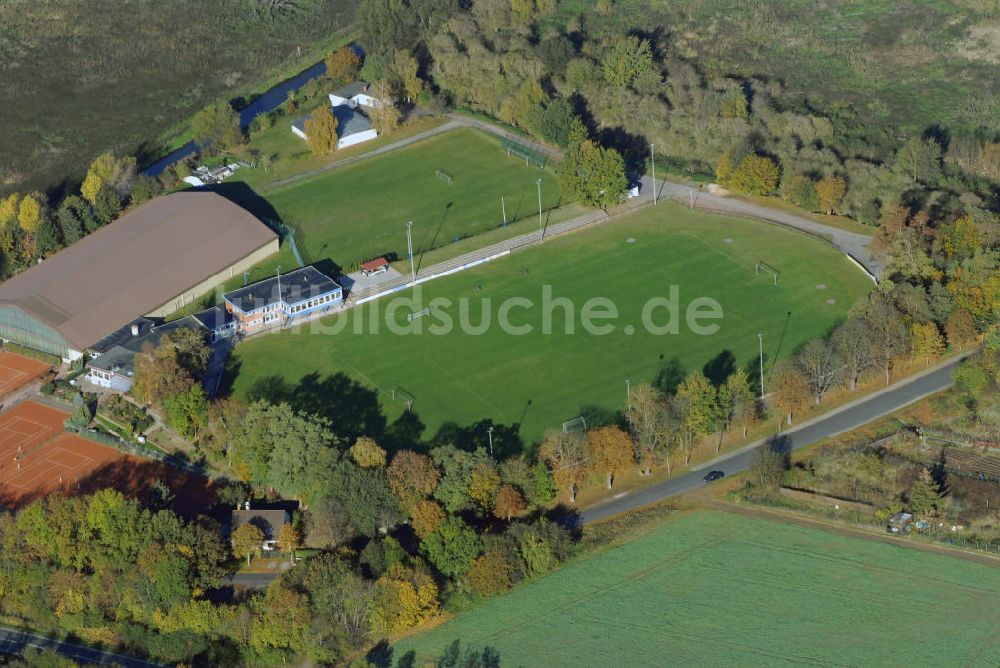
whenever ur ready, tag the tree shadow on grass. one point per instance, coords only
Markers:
(720, 367)
(352, 408)
(506, 438)
(670, 375)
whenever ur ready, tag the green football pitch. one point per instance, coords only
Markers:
(714, 589)
(360, 211)
(539, 379)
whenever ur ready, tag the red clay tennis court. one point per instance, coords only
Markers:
(58, 464)
(25, 428)
(37, 457)
(16, 371)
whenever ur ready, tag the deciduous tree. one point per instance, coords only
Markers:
(321, 131)
(217, 127)
(610, 452)
(821, 365)
(451, 547)
(425, 515)
(927, 342)
(509, 502)
(830, 191)
(566, 455)
(649, 419)
(289, 539)
(246, 540)
(694, 408)
(790, 390)
(367, 454)
(854, 344)
(342, 65)
(412, 477)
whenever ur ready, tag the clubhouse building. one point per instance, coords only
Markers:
(276, 302)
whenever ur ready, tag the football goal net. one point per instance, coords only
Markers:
(413, 315)
(530, 157)
(577, 424)
(402, 396)
(447, 177)
(767, 270)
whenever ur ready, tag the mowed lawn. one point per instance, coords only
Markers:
(539, 380)
(360, 211)
(714, 589)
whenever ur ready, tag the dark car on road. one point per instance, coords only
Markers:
(713, 475)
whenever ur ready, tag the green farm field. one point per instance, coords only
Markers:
(360, 211)
(538, 380)
(714, 589)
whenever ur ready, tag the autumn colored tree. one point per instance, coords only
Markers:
(830, 191)
(342, 65)
(610, 452)
(406, 596)
(246, 541)
(289, 539)
(649, 419)
(367, 454)
(510, 503)
(566, 455)
(425, 515)
(960, 328)
(31, 211)
(321, 131)
(926, 341)
(755, 175)
(412, 477)
(491, 573)
(483, 485)
(790, 390)
(961, 239)
(109, 171)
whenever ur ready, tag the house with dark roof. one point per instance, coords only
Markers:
(353, 95)
(283, 299)
(111, 363)
(269, 521)
(353, 127)
(154, 260)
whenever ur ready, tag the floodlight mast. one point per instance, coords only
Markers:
(541, 230)
(409, 249)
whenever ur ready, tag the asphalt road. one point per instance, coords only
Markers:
(850, 416)
(15, 641)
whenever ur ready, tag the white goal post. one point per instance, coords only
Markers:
(575, 425)
(764, 268)
(447, 177)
